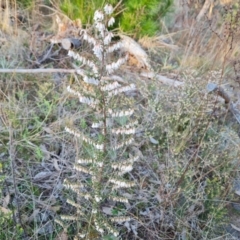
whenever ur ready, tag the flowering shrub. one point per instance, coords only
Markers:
(102, 168)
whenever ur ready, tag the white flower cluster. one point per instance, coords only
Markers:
(69, 218)
(108, 38)
(80, 235)
(114, 47)
(98, 16)
(108, 9)
(111, 21)
(98, 51)
(94, 210)
(120, 199)
(97, 124)
(126, 131)
(100, 27)
(100, 147)
(122, 89)
(110, 229)
(73, 203)
(124, 168)
(124, 162)
(88, 38)
(98, 198)
(76, 56)
(115, 65)
(99, 164)
(82, 169)
(90, 101)
(120, 219)
(86, 196)
(128, 112)
(90, 80)
(125, 143)
(75, 187)
(121, 183)
(110, 86)
(85, 161)
(60, 223)
(98, 228)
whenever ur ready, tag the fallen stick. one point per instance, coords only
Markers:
(42, 70)
(163, 79)
(214, 88)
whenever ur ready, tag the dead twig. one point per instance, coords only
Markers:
(163, 79)
(42, 70)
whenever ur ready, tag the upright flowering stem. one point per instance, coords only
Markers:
(105, 172)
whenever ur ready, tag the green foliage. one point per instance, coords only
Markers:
(139, 18)
(7, 229)
(25, 3)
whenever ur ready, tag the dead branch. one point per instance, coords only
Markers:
(133, 48)
(163, 79)
(214, 88)
(42, 70)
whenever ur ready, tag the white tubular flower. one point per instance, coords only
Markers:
(108, 38)
(94, 211)
(86, 196)
(126, 131)
(85, 161)
(123, 113)
(89, 39)
(68, 218)
(114, 47)
(98, 16)
(90, 101)
(100, 164)
(121, 183)
(120, 199)
(125, 168)
(97, 198)
(115, 65)
(110, 86)
(73, 203)
(97, 124)
(120, 145)
(100, 147)
(98, 228)
(81, 235)
(81, 169)
(60, 223)
(83, 60)
(90, 80)
(111, 21)
(100, 26)
(98, 50)
(120, 219)
(129, 161)
(108, 9)
(110, 229)
(74, 133)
